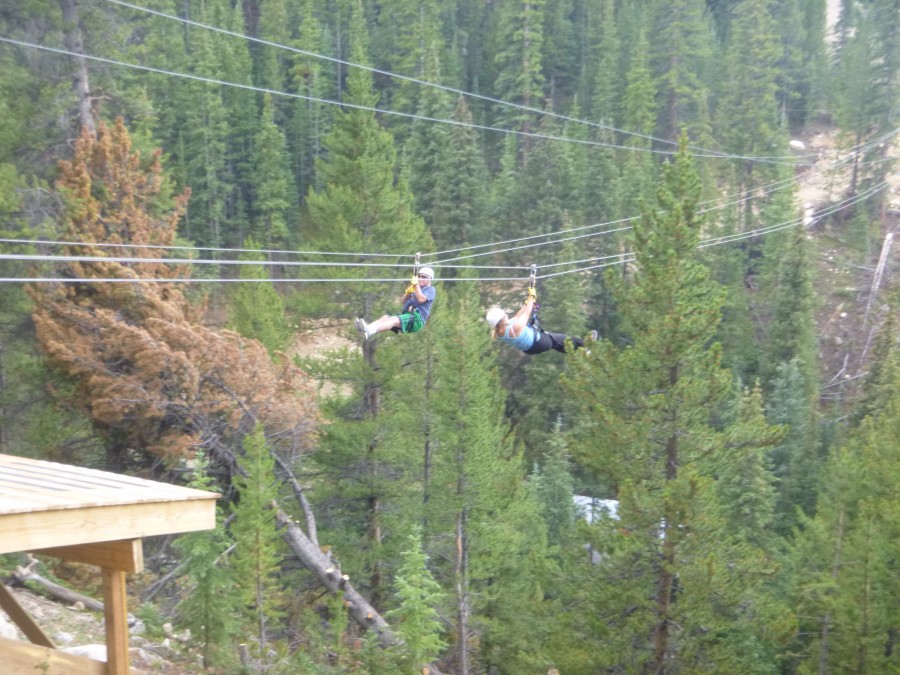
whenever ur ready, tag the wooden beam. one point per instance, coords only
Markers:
(116, 614)
(23, 658)
(22, 619)
(35, 530)
(126, 555)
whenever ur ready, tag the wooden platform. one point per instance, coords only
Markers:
(93, 517)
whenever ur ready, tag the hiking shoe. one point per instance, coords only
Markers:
(594, 336)
(361, 328)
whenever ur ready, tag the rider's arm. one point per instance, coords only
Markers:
(520, 320)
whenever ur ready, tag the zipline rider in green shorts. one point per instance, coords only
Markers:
(417, 303)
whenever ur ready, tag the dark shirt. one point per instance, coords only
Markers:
(423, 307)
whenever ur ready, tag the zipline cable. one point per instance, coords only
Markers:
(345, 104)
(443, 264)
(453, 90)
(726, 239)
(54, 242)
(209, 80)
(623, 258)
(767, 190)
(37, 257)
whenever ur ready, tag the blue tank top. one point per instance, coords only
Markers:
(524, 341)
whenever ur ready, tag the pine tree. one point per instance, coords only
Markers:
(364, 208)
(796, 460)
(407, 41)
(273, 26)
(427, 147)
(552, 488)
(418, 622)
(559, 53)
(152, 381)
(460, 185)
(787, 285)
(272, 182)
(32, 422)
(243, 122)
(520, 37)
(804, 59)
(606, 96)
(206, 146)
(745, 485)
(681, 61)
(483, 521)
(544, 186)
(638, 115)
(651, 433)
(751, 73)
(866, 100)
(309, 121)
(843, 564)
(255, 561)
(255, 309)
(210, 606)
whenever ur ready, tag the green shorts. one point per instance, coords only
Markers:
(410, 323)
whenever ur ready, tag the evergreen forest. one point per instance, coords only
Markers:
(198, 197)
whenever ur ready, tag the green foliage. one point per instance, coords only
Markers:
(552, 488)
(272, 183)
(210, 605)
(254, 563)
(843, 561)
(431, 430)
(418, 594)
(651, 432)
(518, 60)
(795, 460)
(681, 53)
(256, 310)
(496, 561)
(152, 619)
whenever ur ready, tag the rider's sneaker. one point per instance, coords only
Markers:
(361, 328)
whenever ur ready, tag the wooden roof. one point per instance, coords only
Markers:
(45, 504)
(92, 517)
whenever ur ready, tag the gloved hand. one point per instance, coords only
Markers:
(411, 289)
(532, 294)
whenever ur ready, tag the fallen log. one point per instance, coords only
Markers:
(330, 575)
(23, 575)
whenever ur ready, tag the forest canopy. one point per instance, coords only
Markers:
(199, 198)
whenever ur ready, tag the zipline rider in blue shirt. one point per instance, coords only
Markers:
(518, 332)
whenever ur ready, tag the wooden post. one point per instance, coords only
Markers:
(116, 615)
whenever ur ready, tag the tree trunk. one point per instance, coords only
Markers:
(826, 620)
(426, 469)
(74, 43)
(3, 432)
(329, 574)
(462, 570)
(667, 569)
(462, 595)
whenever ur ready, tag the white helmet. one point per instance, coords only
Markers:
(494, 315)
(427, 271)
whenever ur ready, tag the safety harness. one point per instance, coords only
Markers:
(534, 321)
